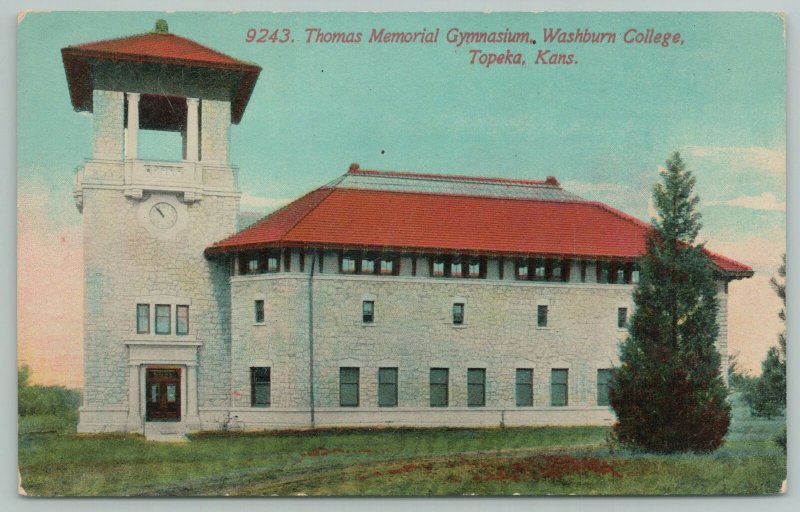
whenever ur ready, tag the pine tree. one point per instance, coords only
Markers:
(668, 393)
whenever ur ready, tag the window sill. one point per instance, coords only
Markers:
(365, 324)
(545, 328)
(458, 326)
(259, 324)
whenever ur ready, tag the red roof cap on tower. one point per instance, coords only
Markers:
(159, 47)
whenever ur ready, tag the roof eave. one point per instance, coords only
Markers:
(76, 66)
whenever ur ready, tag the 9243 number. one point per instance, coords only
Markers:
(265, 35)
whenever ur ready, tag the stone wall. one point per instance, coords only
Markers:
(413, 331)
(124, 262)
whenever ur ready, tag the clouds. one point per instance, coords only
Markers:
(766, 201)
(755, 158)
(260, 203)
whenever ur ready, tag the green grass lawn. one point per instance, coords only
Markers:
(549, 460)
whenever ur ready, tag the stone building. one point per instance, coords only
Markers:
(380, 298)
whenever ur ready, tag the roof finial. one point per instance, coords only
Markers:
(162, 27)
(353, 167)
(552, 181)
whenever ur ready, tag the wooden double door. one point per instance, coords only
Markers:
(163, 394)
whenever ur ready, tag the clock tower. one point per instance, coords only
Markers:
(158, 189)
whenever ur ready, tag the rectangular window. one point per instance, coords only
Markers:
(348, 264)
(556, 270)
(476, 387)
(259, 310)
(368, 311)
(273, 264)
(367, 266)
(474, 268)
(438, 268)
(387, 266)
(143, 318)
(458, 313)
(524, 384)
(539, 269)
(181, 319)
(619, 274)
(635, 274)
(603, 272)
(559, 379)
(163, 319)
(439, 381)
(522, 269)
(622, 318)
(348, 387)
(603, 381)
(541, 315)
(387, 387)
(456, 268)
(287, 260)
(260, 382)
(252, 266)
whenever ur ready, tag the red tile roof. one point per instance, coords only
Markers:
(381, 219)
(159, 48)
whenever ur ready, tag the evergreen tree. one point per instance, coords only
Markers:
(668, 392)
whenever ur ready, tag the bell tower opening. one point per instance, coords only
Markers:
(162, 127)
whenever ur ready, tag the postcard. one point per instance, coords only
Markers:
(420, 254)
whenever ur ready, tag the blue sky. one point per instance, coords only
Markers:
(601, 126)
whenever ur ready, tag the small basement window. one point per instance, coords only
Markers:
(368, 311)
(259, 311)
(541, 315)
(458, 313)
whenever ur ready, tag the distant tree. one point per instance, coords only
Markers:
(766, 396)
(738, 378)
(23, 375)
(668, 392)
(34, 399)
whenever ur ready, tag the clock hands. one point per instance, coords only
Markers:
(159, 211)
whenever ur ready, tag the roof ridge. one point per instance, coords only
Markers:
(273, 213)
(619, 213)
(576, 199)
(550, 181)
(714, 254)
(330, 190)
(711, 254)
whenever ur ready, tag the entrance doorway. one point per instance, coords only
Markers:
(163, 394)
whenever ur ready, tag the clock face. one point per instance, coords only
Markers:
(163, 215)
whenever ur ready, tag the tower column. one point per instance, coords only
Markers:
(134, 394)
(192, 130)
(192, 413)
(132, 138)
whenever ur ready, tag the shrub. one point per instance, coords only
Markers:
(45, 400)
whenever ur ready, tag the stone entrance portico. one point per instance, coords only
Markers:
(149, 354)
